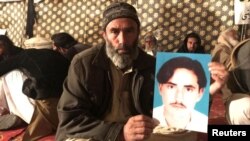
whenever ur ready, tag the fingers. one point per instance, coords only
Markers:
(219, 74)
(218, 71)
(138, 128)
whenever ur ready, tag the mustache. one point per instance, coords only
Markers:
(177, 104)
(122, 47)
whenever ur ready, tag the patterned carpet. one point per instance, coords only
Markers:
(16, 135)
(217, 112)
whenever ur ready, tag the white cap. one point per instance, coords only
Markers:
(38, 43)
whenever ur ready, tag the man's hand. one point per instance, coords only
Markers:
(219, 74)
(138, 128)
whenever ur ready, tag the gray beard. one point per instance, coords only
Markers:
(122, 61)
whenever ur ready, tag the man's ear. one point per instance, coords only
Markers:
(104, 34)
(160, 87)
(200, 94)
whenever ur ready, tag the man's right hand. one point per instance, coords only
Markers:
(138, 128)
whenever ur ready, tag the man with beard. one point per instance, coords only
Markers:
(108, 93)
(191, 44)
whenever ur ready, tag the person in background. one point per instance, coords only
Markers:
(67, 45)
(31, 84)
(7, 50)
(108, 93)
(234, 54)
(191, 44)
(182, 83)
(150, 44)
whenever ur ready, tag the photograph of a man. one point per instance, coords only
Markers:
(181, 85)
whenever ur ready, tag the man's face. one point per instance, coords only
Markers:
(121, 36)
(150, 43)
(192, 44)
(61, 50)
(179, 95)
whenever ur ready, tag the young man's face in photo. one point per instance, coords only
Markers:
(179, 95)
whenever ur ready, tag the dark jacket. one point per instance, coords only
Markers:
(11, 51)
(46, 70)
(87, 95)
(75, 49)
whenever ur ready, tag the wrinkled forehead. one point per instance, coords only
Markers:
(122, 23)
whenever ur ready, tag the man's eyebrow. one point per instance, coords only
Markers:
(125, 28)
(171, 83)
(190, 86)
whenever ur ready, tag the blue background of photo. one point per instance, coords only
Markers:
(161, 57)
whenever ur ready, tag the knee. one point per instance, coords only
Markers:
(239, 111)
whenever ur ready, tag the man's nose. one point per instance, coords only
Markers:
(122, 38)
(179, 96)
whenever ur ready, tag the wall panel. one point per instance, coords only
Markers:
(170, 20)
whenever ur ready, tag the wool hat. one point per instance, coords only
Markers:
(119, 10)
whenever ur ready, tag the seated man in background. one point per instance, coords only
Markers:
(7, 50)
(36, 75)
(151, 44)
(236, 93)
(191, 44)
(67, 45)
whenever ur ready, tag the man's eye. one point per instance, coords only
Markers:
(129, 30)
(115, 31)
(188, 89)
(170, 86)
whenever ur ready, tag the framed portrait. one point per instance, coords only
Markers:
(181, 91)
